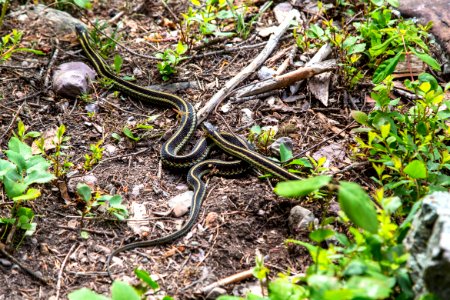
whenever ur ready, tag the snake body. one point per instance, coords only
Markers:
(171, 149)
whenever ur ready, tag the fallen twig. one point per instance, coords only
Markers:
(247, 71)
(61, 270)
(228, 280)
(285, 80)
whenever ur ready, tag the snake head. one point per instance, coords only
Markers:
(209, 128)
(80, 29)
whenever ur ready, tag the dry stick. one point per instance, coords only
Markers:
(12, 121)
(23, 267)
(323, 53)
(120, 14)
(287, 61)
(227, 280)
(247, 71)
(50, 67)
(285, 80)
(61, 270)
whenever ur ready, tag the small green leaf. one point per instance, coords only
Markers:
(285, 153)
(300, 188)
(29, 195)
(360, 117)
(13, 188)
(84, 235)
(320, 235)
(84, 191)
(122, 291)
(115, 200)
(86, 294)
(385, 129)
(118, 63)
(358, 206)
(86, 4)
(181, 48)
(426, 59)
(256, 130)
(145, 277)
(5, 166)
(17, 146)
(416, 169)
(116, 136)
(386, 68)
(128, 133)
(38, 177)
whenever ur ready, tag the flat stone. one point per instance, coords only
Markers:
(181, 203)
(281, 11)
(40, 16)
(300, 219)
(428, 243)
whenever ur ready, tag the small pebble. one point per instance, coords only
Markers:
(5, 262)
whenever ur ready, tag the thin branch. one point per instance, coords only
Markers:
(61, 270)
(247, 71)
(27, 270)
(285, 80)
(228, 280)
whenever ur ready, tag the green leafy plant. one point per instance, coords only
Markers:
(19, 174)
(105, 45)
(60, 160)
(243, 28)
(22, 133)
(121, 290)
(112, 203)
(368, 263)
(408, 151)
(380, 42)
(203, 17)
(262, 137)
(10, 44)
(95, 156)
(170, 59)
(138, 131)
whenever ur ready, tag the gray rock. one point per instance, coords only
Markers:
(275, 147)
(300, 219)
(60, 22)
(72, 79)
(90, 180)
(428, 242)
(5, 262)
(281, 11)
(246, 116)
(92, 107)
(181, 203)
(265, 73)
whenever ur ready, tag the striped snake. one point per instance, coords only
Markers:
(170, 151)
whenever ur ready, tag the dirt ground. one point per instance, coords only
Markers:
(249, 217)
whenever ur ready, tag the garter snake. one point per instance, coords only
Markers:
(170, 151)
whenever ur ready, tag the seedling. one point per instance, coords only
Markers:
(18, 174)
(59, 158)
(96, 155)
(112, 203)
(10, 44)
(170, 59)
